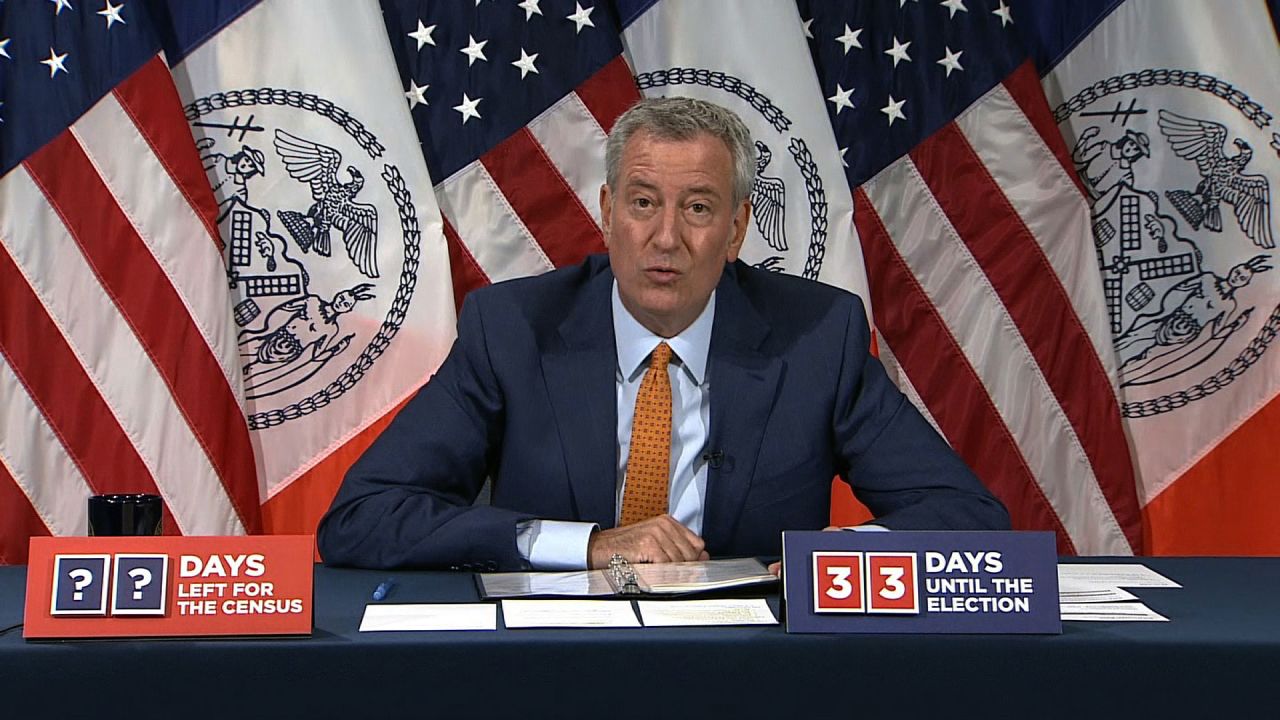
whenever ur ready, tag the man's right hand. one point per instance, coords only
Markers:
(659, 539)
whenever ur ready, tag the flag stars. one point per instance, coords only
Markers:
(474, 50)
(112, 14)
(423, 35)
(468, 108)
(4, 48)
(530, 8)
(581, 17)
(525, 63)
(894, 110)
(850, 39)
(55, 63)
(61, 5)
(954, 6)
(899, 51)
(951, 61)
(1006, 18)
(808, 28)
(416, 94)
(841, 98)
(843, 161)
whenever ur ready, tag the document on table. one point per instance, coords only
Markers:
(1077, 591)
(1113, 575)
(436, 616)
(568, 613)
(1111, 612)
(667, 613)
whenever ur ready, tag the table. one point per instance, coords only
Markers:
(1219, 657)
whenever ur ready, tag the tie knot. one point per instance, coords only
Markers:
(661, 356)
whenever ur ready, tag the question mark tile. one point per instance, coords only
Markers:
(140, 584)
(80, 584)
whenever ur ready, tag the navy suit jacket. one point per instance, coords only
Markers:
(527, 397)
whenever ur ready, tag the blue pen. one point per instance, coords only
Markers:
(384, 589)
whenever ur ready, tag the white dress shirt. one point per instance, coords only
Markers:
(562, 545)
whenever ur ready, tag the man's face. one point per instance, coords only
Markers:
(1130, 150)
(670, 227)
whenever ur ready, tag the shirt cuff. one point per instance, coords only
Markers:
(554, 544)
(866, 528)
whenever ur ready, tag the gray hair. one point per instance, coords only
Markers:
(684, 118)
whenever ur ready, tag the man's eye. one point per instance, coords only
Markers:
(699, 208)
(642, 203)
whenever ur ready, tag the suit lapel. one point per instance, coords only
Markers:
(744, 384)
(580, 381)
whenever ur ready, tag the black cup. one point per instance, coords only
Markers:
(125, 514)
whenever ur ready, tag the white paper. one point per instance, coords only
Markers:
(1111, 612)
(1116, 575)
(746, 611)
(441, 616)
(568, 613)
(1076, 591)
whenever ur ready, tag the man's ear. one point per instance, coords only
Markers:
(741, 223)
(606, 211)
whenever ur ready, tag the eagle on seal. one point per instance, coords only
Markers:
(334, 207)
(1222, 179)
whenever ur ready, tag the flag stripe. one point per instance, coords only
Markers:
(1224, 504)
(150, 305)
(18, 518)
(574, 142)
(1013, 263)
(43, 472)
(609, 92)
(1047, 203)
(920, 340)
(143, 188)
(150, 98)
(487, 225)
(540, 196)
(1023, 85)
(466, 272)
(47, 367)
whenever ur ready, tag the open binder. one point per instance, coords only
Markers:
(624, 579)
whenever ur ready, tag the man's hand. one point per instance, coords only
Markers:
(659, 539)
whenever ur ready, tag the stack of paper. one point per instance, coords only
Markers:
(1096, 592)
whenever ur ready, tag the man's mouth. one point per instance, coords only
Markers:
(661, 273)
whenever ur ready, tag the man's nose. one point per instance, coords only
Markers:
(666, 235)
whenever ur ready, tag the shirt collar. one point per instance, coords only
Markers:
(635, 342)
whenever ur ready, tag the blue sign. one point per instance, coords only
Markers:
(920, 582)
(80, 584)
(140, 584)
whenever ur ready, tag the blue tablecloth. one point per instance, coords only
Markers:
(1219, 657)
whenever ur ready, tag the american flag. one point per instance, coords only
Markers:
(974, 229)
(979, 256)
(512, 102)
(118, 368)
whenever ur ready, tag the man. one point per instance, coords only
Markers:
(765, 390)
(1107, 165)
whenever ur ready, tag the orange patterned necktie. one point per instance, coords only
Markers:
(649, 460)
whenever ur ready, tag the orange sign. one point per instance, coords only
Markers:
(166, 586)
